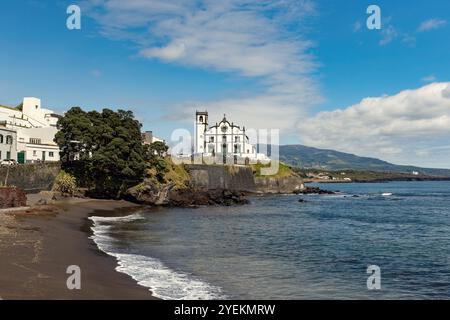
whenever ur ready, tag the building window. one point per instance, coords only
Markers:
(237, 139)
(9, 140)
(224, 138)
(236, 148)
(1, 138)
(50, 154)
(34, 153)
(211, 139)
(200, 119)
(35, 141)
(8, 155)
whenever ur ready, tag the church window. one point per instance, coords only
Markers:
(200, 119)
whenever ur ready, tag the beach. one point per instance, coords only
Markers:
(37, 246)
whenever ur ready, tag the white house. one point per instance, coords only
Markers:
(37, 144)
(149, 138)
(8, 146)
(225, 141)
(36, 129)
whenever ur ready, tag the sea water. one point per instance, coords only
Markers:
(279, 248)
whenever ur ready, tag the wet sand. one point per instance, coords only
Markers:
(37, 246)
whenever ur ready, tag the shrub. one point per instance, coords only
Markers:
(65, 183)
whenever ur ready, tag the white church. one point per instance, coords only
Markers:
(224, 141)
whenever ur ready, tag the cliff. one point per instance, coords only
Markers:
(285, 181)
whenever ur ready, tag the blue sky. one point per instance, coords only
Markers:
(304, 67)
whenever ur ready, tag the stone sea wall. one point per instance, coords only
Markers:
(218, 177)
(275, 185)
(31, 177)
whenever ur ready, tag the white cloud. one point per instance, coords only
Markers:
(259, 39)
(357, 26)
(396, 128)
(432, 24)
(430, 78)
(389, 34)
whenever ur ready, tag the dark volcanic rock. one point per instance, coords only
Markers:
(314, 190)
(199, 197)
(165, 195)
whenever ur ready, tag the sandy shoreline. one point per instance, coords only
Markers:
(37, 248)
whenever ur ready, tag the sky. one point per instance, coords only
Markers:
(309, 68)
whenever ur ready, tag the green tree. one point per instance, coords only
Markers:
(158, 148)
(104, 151)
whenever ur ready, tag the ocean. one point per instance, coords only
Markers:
(279, 248)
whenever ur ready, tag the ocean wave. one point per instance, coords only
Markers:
(164, 282)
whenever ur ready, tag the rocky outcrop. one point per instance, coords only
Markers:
(165, 195)
(279, 185)
(12, 197)
(314, 190)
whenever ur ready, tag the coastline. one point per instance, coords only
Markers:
(38, 245)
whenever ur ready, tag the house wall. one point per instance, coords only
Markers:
(8, 147)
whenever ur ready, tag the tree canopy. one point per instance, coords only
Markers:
(104, 151)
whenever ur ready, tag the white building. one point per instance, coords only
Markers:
(36, 129)
(224, 141)
(37, 144)
(8, 149)
(149, 138)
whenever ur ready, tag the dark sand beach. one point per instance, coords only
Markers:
(38, 245)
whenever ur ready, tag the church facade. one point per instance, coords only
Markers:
(224, 140)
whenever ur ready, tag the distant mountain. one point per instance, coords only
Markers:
(313, 158)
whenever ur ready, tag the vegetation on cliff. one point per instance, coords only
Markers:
(283, 170)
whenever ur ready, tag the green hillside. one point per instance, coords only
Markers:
(313, 158)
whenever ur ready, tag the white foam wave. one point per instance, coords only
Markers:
(164, 282)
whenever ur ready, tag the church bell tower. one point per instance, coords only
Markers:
(201, 125)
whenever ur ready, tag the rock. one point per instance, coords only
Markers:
(12, 197)
(301, 200)
(315, 190)
(165, 195)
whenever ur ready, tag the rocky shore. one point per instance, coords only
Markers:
(152, 195)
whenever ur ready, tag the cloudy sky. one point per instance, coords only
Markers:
(310, 68)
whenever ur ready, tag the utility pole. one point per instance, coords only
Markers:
(7, 169)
